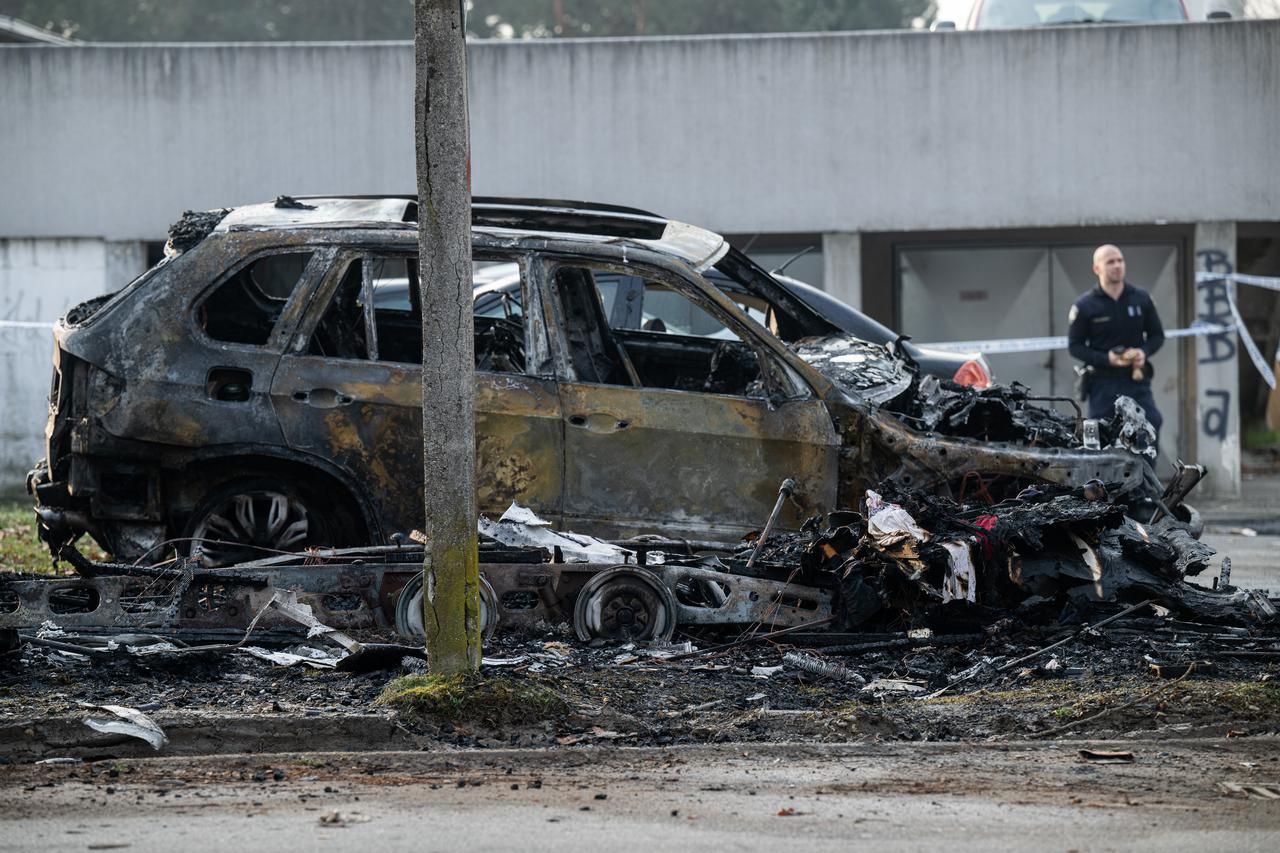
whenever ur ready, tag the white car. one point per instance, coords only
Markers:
(1012, 14)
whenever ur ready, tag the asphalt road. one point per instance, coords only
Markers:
(1255, 560)
(886, 797)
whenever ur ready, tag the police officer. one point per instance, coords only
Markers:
(1114, 329)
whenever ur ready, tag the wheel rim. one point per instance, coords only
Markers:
(250, 526)
(623, 603)
(409, 610)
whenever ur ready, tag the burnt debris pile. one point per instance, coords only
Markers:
(887, 376)
(997, 413)
(914, 561)
(908, 585)
(1013, 413)
(907, 597)
(193, 227)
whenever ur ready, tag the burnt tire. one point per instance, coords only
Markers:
(254, 518)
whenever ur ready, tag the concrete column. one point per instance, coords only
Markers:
(842, 267)
(1217, 383)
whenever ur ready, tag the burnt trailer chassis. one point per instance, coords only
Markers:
(379, 590)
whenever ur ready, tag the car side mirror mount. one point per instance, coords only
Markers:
(938, 26)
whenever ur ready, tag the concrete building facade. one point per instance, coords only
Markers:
(951, 184)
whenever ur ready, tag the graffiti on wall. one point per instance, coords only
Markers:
(1214, 307)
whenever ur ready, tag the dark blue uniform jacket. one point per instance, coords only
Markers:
(1100, 323)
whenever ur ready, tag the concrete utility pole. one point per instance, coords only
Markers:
(451, 580)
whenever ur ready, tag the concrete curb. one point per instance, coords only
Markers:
(534, 758)
(1236, 518)
(58, 737)
(25, 741)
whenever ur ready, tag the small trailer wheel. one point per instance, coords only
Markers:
(409, 610)
(625, 603)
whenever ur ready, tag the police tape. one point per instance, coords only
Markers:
(1267, 281)
(1009, 345)
(1231, 280)
(24, 324)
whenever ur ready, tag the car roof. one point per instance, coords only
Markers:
(287, 212)
(588, 221)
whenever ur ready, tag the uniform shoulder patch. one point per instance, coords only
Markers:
(1073, 314)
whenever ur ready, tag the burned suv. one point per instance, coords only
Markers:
(258, 391)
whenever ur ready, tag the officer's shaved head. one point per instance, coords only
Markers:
(1104, 250)
(1108, 265)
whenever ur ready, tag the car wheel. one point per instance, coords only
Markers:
(252, 519)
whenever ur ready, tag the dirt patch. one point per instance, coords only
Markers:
(539, 691)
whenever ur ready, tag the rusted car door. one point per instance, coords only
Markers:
(667, 428)
(350, 390)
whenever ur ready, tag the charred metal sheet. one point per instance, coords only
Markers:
(519, 444)
(708, 597)
(936, 435)
(335, 210)
(359, 589)
(878, 448)
(344, 600)
(702, 248)
(867, 371)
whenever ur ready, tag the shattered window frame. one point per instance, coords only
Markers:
(648, 314)
(338, 260)
(324, 299)
(281, 327)
(373, 269)
(801, 319)
(781, 383)
(533, 325)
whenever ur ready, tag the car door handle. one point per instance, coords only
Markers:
(323, 398)
(600, 422)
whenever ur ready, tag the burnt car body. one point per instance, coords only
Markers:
(251, 389)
